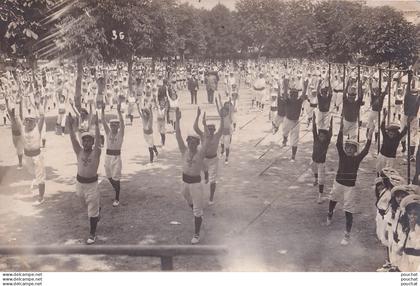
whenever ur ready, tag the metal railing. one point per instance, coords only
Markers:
(165, 252)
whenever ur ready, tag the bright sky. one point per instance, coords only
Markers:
(402, 4)
(208, 4)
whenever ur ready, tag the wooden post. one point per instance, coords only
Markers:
(166, 263)
(379, 112)
(389, 93)
(358, 95)
(408, 148)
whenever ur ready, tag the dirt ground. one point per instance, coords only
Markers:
(269, 222)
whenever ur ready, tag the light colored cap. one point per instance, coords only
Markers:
(405, 188)
(352, 142)
(387, 171)
(84, 134)
(393, 125)
(410, 199)
(396, 180)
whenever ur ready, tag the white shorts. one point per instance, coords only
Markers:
(382, 162)
(349, 194)
(323, 120)
(18, 143)
(35, 166)
(372, 119)
(413, 130)
(113, 166)
(89, 196)
(193, 194)
(350, 128)
(161, 125)
(211, 166)
(226, 140)
(61, 120)
(292, 127)
(381, 225)
(319, 169)
(149, 140)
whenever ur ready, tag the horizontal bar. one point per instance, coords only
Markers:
(130, 250)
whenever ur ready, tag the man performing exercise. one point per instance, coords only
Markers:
(211, 161)
(88, 157)
(33, 159)
(114, 140)
(345, 180)
(16, 127)
(192, 164)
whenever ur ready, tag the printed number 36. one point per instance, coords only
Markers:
(116, 36)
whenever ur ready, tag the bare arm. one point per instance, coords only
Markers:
(97, 145)
(104, 123)
(74, 141)
(314, 129)
(217, 106)
(76, 112)
(222, 125)
(179, 139)
(121, 119)
(196, 128)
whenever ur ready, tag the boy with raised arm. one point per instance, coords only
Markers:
(32, 158)
(345, 180)
(226, 113)
(293, 109)
(16, 127)
(88, 157)
(114, 140)
(211, 161)
(146, 115)
(192, 164)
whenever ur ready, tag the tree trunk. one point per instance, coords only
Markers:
(78, 91)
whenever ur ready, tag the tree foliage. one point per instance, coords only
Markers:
(334, 30)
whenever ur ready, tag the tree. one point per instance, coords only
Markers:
(389, 38)
(190, 31)
(20, 26)
(221, 33)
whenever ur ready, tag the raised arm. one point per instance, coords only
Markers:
(196, 128)
(179, 139)
(221, 126)
(139, 110)
(218, 107)
(385, 113)
(314, 130)
(365, 150)
(104, 123)
(41, 121)
(120, 118)
(330, 130)
(339, 143)
(150, 121)
(74, 141)
(76, 112)
(97, 145)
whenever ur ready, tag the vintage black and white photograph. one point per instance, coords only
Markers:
(209, 136)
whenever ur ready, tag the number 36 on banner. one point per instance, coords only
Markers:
(116, 35)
